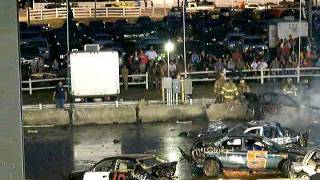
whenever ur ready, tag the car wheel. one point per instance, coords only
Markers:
(302, 175)
(211, 168)
(285, 167)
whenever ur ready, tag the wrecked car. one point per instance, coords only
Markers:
(239, 152)
(271, 130)
(306, 166)
(132, 167)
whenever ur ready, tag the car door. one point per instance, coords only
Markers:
(257, 154)
(233, 156)
(100, 171)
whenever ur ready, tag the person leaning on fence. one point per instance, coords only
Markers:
(229, 91)
(125, 74)
(60, 95)
(217, 90)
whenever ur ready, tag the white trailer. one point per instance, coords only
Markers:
(95, 73)
(283, 29)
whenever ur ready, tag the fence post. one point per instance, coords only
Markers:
(57, 13)
(140, 11)
(123, 12)
(107, 13)
(261, 75)
(298, 74)
(147, 81)
(41, 14)
(90, 13)
(30, 86)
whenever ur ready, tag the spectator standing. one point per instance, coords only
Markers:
(239, 66)
(195, 59)
(218, 66)
(172, 69)
(274, 65)
(60, 95)
(203, 60)
(55, 66)
(143, 59)
(152, 54)
(125, 74)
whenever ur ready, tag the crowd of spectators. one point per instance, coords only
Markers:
(285, 55)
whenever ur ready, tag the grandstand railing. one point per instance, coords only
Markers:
(87, 12)
(134, 79)
(197, 76)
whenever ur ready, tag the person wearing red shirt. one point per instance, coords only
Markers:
(143, 59)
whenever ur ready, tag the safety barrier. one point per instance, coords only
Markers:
(261, 74)
(137, 79)
(87, 12)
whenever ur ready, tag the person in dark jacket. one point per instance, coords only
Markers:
(60, 95)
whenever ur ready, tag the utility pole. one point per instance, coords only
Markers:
(184, 37)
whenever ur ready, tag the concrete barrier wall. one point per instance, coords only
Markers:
(217, 112)
(130, 114)
(57, 117)
(172, 113)
(103, 115)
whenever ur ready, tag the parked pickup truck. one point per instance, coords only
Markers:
(194, 7)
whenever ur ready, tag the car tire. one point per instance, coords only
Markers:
(211, 168)
(302, 175)
(285, 167)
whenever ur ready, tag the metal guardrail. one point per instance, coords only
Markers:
(31, 88)
(88, 12)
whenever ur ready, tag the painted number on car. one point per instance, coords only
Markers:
(257, 159)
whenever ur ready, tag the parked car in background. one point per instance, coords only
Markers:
(234, 41)
(256, 42)
(42, 45)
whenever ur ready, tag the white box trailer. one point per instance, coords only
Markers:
(95, 74)
(283, 29)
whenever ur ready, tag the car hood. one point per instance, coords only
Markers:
(76, 175)
(164, 169)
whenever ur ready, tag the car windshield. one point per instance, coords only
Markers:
(235, 38)
(274, 146)
(150, 162)
(29, 51)
(253, 41)
(38, 43)
(101, 37)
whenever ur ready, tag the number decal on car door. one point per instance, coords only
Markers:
(257, 159)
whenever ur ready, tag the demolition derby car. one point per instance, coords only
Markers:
(239, 152)
(271, 130)
(130, 167)
(306, 166)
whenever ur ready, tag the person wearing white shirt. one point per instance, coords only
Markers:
(152, 54)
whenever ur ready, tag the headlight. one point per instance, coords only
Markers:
(47, 52)
(62, 56)
(232, 45)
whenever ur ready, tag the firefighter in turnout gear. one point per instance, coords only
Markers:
(218, 85)
(289, 88)
(243, 87)
(229, 91)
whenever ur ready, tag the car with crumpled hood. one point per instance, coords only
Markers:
(240, 153)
